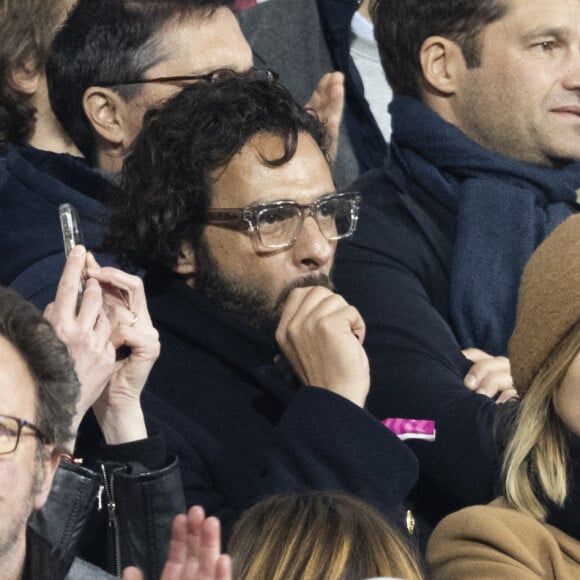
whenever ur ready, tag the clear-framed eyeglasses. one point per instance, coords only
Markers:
(215, 76)
(277, 224)
(11, 431)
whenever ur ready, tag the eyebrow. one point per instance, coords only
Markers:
(543, 32)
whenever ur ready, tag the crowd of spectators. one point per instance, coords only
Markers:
(324, 320)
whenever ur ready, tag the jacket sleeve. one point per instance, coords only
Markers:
(133, 505)
(141, 494)
(323, 441)
(487, 543)
(146, 502)
(417, 367)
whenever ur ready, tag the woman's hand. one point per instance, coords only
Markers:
(194, 553)
(86, 332)
(118, 409)
(489, 375)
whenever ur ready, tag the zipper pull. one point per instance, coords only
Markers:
(100, 498)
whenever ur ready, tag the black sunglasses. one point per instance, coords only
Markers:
(215, 76)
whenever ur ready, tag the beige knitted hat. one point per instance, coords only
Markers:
(548, 302)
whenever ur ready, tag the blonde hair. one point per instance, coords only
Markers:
(318, 536)
(535, 463)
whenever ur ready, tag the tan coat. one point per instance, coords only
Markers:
(494, 542)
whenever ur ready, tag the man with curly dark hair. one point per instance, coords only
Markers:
(228, 203)
(105, 54)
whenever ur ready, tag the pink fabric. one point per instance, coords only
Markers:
(243, 4)
(411, 428)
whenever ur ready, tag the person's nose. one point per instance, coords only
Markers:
(312, 251)
(571, 80)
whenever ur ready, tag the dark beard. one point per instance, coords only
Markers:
(251, 305)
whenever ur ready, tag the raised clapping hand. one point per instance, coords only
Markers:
(194, 552)
(489, 375)
(328, 102)
(113, 312)
(321, 335)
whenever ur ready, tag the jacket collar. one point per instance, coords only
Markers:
(42, 561)
(72, 172)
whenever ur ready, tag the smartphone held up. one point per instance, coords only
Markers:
(71, 235)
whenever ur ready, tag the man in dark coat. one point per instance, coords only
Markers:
(126, 58)
(120, 44)
(40, 167)
(229, 206)
(480, 169)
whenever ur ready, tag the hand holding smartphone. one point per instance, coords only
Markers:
(71, 235)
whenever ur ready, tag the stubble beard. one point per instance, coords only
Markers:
(251, 304)
(12, 532)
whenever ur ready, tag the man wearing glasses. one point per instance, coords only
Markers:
(110, 62)
(131, 56)
(35, 372)
(229, 206)
(39, 399)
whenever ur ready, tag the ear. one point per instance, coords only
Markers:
(103, 107)
(442, 64)
(49, 467)
(26, 78)
(186, 260)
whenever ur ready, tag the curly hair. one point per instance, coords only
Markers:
(105, 40)
(27, 28)
(402, 26)
(167, 180)
(49, 363)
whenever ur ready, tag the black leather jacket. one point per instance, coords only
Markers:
(43, 562)
(115, 515)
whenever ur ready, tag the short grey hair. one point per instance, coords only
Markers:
(49, 363)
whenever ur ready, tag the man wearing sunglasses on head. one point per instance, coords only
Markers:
(132, 56)
(113, 60)
(228, 204)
